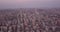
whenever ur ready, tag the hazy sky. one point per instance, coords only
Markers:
(6, 4)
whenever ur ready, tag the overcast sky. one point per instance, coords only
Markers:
(6, 4)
